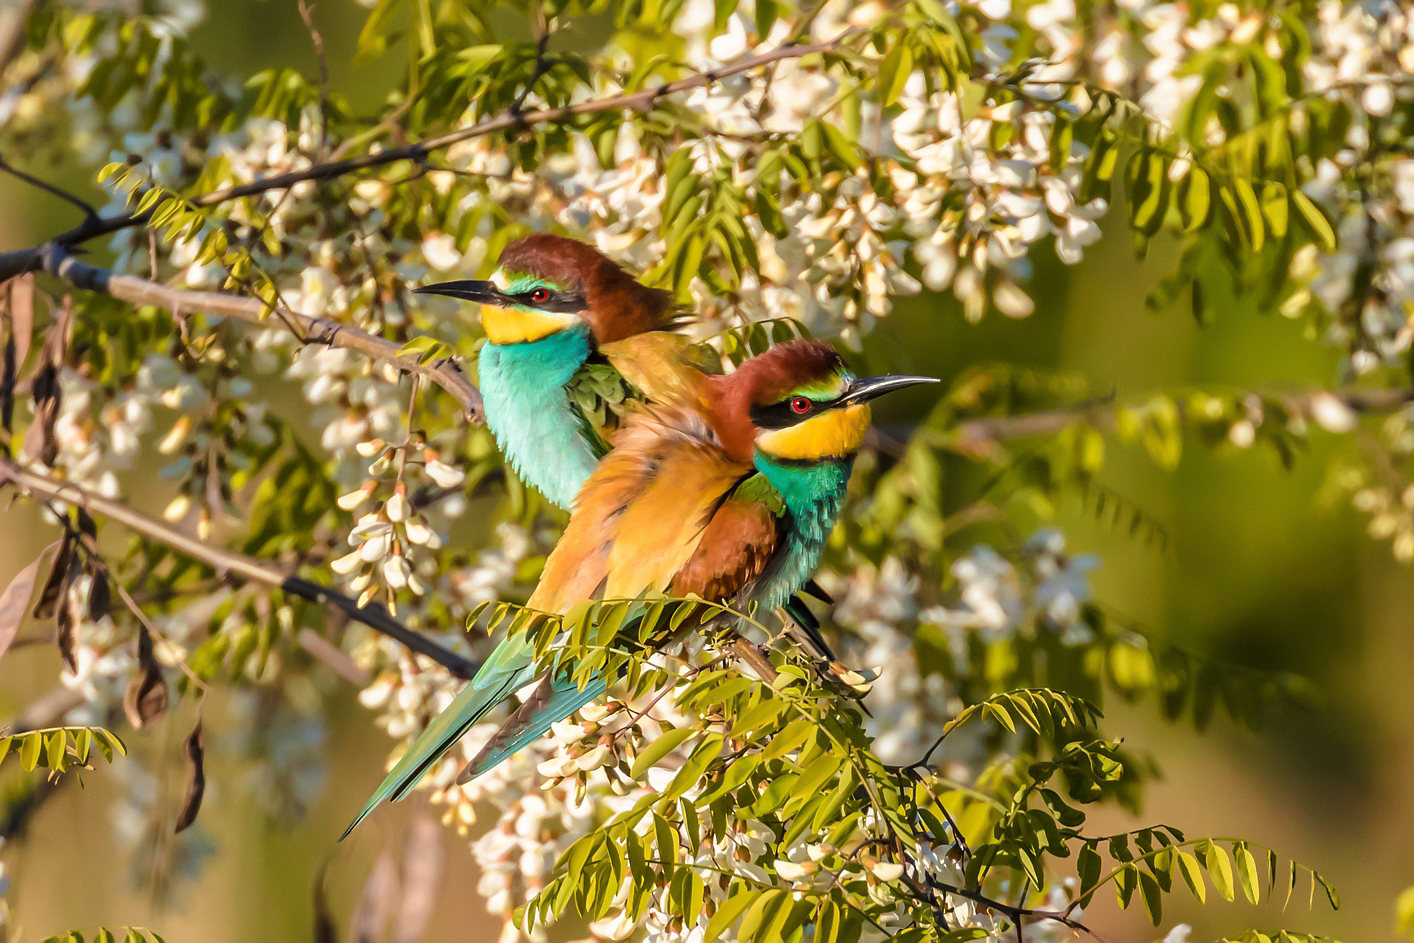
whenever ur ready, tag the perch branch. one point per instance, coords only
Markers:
(140, 291)
(233, 564)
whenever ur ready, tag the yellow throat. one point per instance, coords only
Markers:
(521, 325)
(832, 434)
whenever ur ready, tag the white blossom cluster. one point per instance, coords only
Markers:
(999, 599)
(1363, 58)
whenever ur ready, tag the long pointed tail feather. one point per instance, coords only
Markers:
(508, 669)
(552, 702)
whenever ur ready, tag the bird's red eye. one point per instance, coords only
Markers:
(800, 405)
(540, 295)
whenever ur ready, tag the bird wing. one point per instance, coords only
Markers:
(639, 520)
(642, 513)
(740, 539)
(668, 368)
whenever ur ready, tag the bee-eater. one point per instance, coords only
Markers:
(732, 501)
(553, 306)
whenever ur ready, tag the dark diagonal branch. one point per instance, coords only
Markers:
(230, 564)
(140, 291)
(89, 213)
(14, 263)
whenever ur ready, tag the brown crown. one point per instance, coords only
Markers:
(618, 306)
(764, 379)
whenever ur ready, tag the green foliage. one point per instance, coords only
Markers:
(105, 935)
(61, 749)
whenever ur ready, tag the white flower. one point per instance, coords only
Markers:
(443, 474)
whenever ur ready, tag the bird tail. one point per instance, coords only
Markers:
(551, 702)
(554, 699)
(509, 668)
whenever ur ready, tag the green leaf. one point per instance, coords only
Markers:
(1247, 872)
(1088, 866)
(762, 913)
(1148, 186)
(1331, 895)
(1219, 868)
(1195, 199)
(1256, 227)
(1152, 894)
(30, 751)
(702, 757)
(57, 750)
(818, 772)
(893, 74)
(1192, 875)
(1275, 206)
(1315, 219)
(766, 12)
(1126, 880)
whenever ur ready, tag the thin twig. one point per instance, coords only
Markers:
(14, 263)
(307, 14)
(139, 291)
(230, 563)
(89, 213)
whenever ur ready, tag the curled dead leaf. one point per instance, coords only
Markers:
(14, 602)
(58, 578)
(196, 778)
(145, 699)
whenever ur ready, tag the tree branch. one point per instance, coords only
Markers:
(139, 291)
(227, 562)
(15, 263)
(978, 437)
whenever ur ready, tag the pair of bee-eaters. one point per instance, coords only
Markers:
(722, 485)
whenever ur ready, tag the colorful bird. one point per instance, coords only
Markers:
(553, 307)
(733, 502)
(553, 310)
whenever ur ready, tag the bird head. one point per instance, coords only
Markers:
(796, 403)
(546, 283)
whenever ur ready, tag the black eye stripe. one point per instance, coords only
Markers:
(566, 302)
(783, 414)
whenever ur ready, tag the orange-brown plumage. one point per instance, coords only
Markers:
(736, 546)
(642, 515)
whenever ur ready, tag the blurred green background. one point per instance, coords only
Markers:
(1257, 571)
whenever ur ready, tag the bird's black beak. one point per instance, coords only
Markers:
(868, 388)
(481, 292)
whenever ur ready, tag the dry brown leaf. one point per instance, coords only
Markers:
(196, 778)
(14, 602)
(145, 699)
(58, 578)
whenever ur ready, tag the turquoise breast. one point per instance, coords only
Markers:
(813, 495)
(529, 412)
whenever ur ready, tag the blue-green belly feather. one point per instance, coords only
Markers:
(813, 495)
(529, 411)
